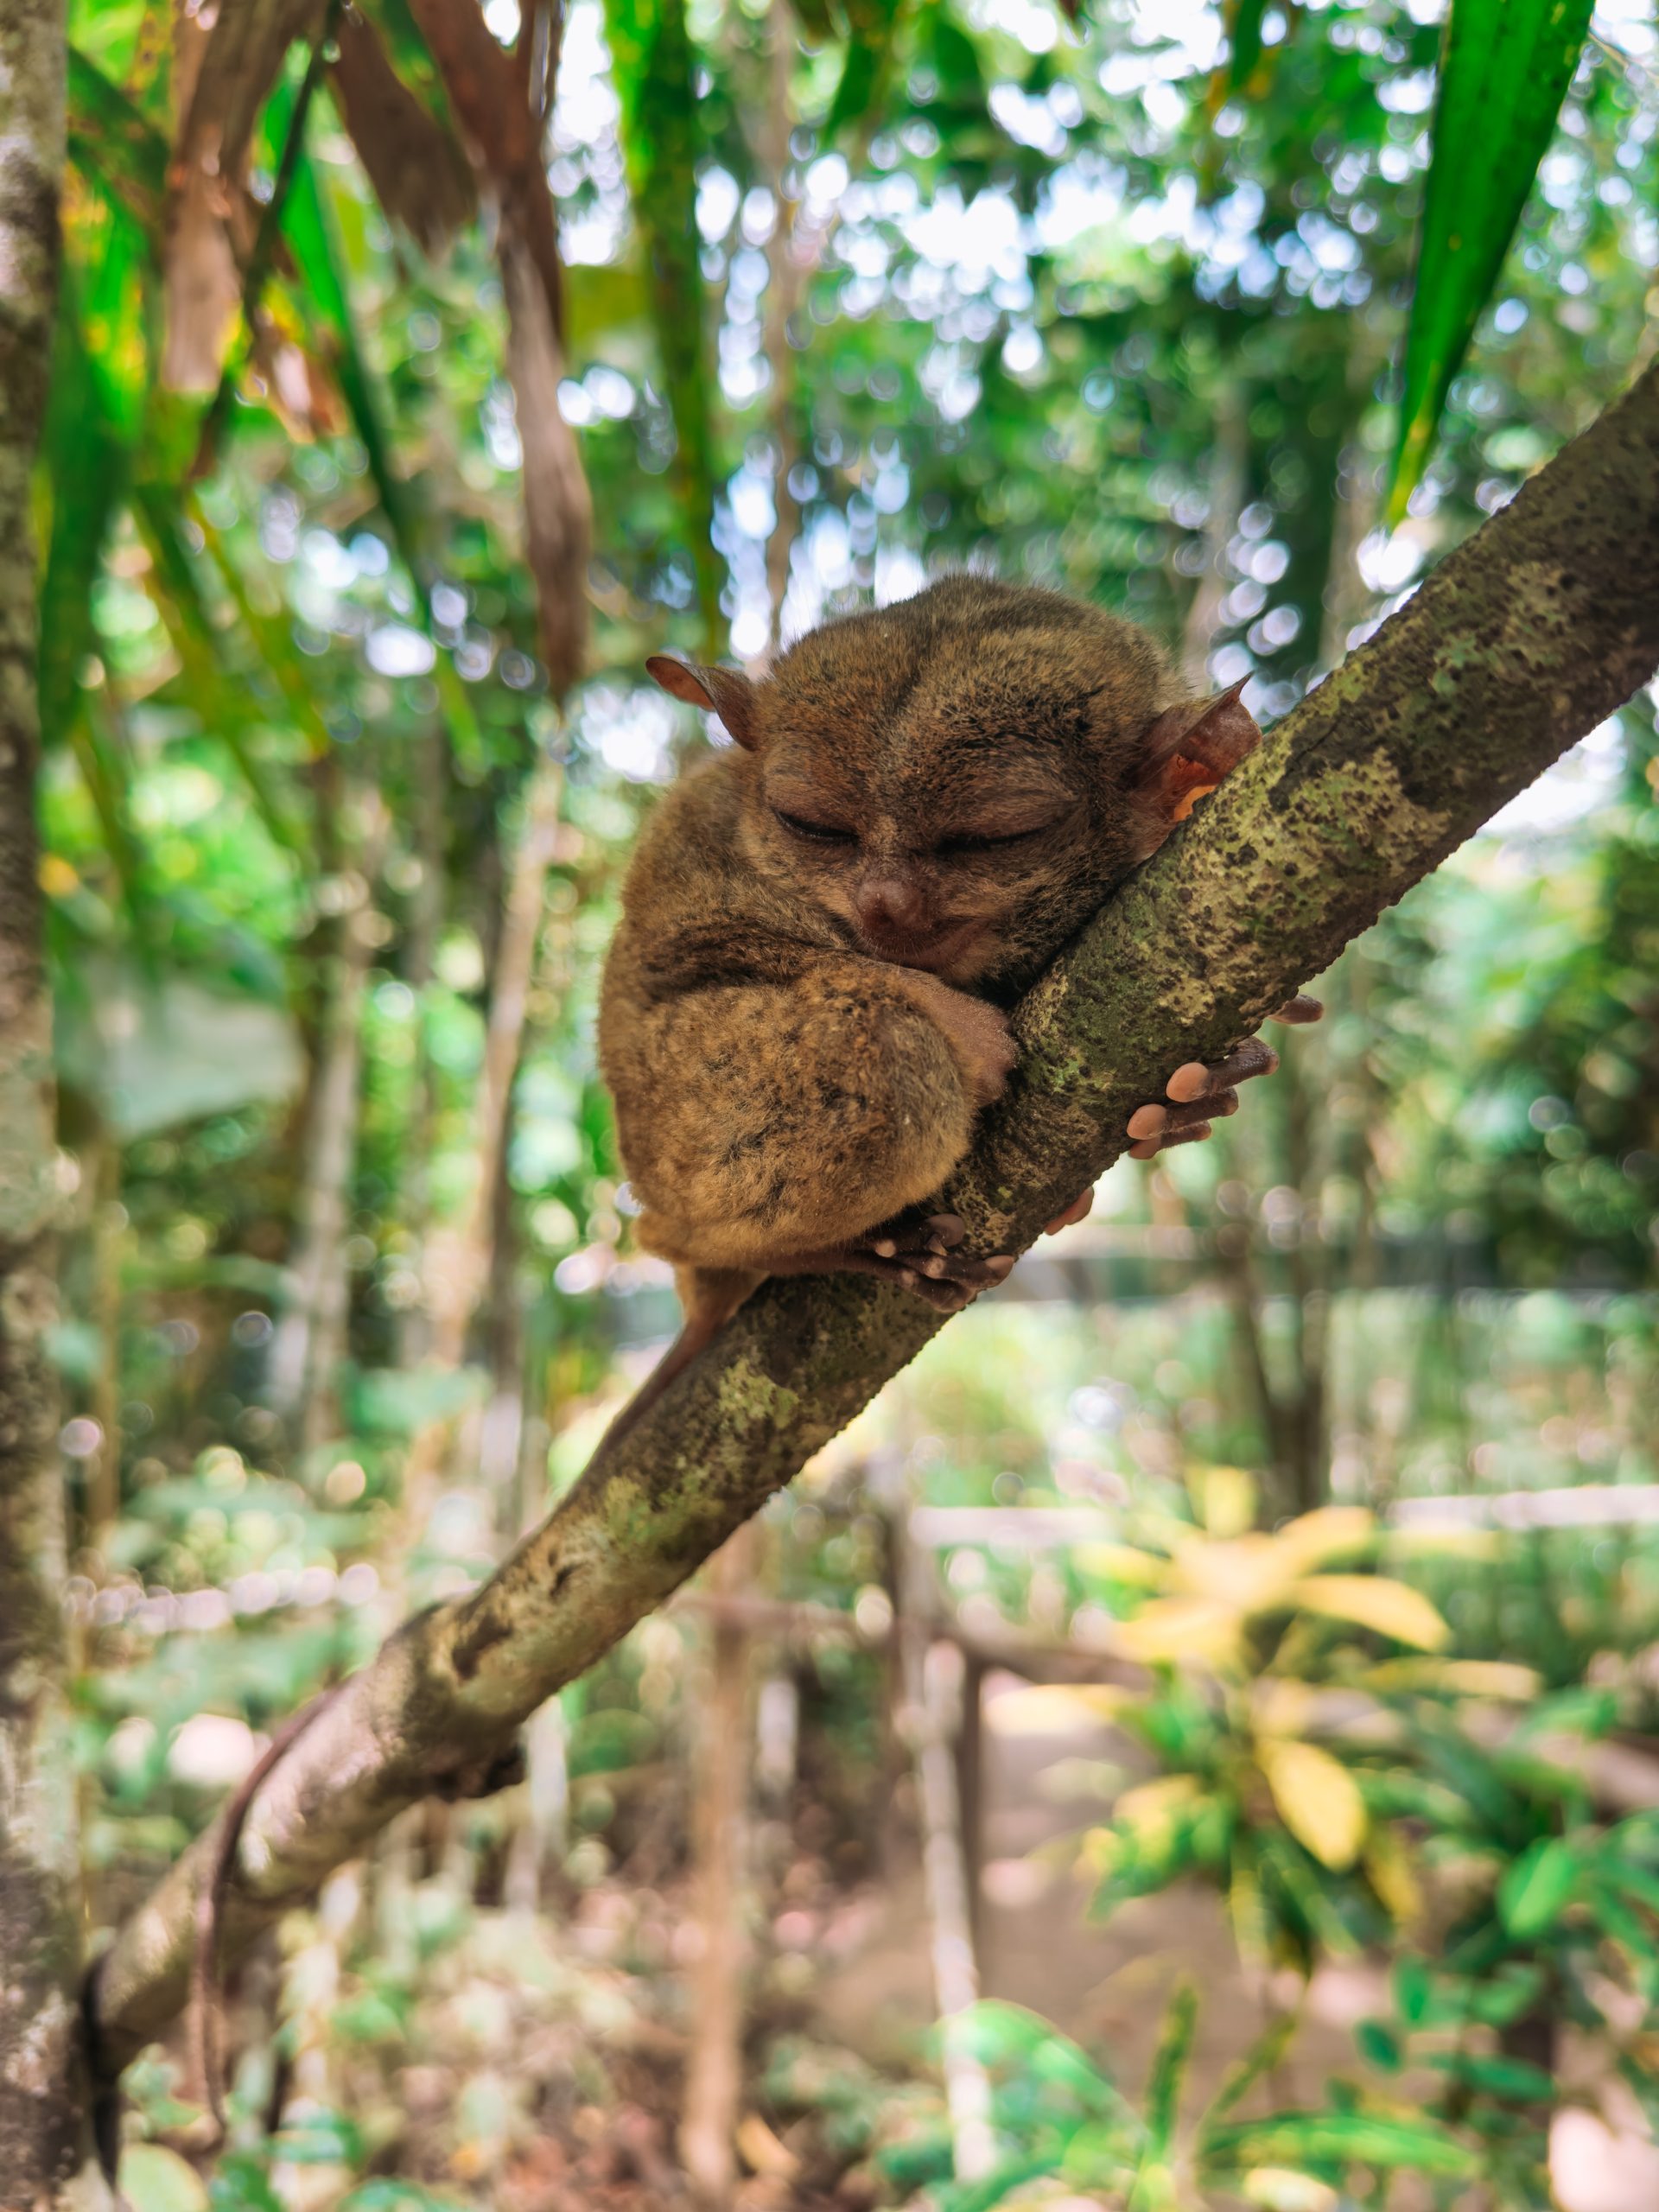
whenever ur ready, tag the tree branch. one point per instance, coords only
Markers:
(1523, 639)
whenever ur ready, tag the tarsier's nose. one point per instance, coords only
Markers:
(891, 904)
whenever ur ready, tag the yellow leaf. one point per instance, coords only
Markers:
(1389, 1870)
(1281, 2189)
(1495, 1678)
(1430, 1543)
(1225, 1498)
(1051, 1708)
(155, 2179)
(1248, 1915)
(1373, 1601)
(1172, 1629)
(1279, 1707)
(1326, 1533)
(1149, 1804)
(1120, 1563)
(762, 2150)
(57, 877)
(1247, 1573)
(1317, 1798)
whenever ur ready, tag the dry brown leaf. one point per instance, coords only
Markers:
(226, 55)
(558, 510)
(419, 175)
(491, 101)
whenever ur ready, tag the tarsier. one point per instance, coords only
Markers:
(825, 924)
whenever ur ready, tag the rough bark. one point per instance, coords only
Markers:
(1523, 639)
(40, 2114)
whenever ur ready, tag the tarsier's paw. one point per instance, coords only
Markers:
(925, 1257)
(1200, 1095)
(984, 1045)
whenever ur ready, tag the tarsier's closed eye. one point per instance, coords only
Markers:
(988, 841)
(820, 833)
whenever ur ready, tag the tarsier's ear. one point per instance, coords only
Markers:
(723, 691)
(1191, 747)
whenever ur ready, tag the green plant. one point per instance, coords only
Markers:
(1259, 1790)
(1058, 2114)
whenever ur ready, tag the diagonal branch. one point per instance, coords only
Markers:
(1523, 639)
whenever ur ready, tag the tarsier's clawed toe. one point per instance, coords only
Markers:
(958, 1282)
(1199, 1095)
(926, 1257)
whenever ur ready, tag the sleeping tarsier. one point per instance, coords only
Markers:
(826, 923)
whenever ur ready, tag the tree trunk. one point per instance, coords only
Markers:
(311, 1337)
(1522, 641)
(719, 1857)
(42, 2114)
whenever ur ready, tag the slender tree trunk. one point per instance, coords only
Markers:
(310, 1340)
(1525, 638)
(719, 1837)
(934, 1678)
(785, 276)
(461, 1259)
(1229, 481)
(42, 2112)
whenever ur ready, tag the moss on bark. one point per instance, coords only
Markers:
(1522, 641)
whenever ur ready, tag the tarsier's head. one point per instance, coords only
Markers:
(958, 781)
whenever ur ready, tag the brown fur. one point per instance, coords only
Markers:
(798, 1032)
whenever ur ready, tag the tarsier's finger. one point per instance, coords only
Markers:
(1194, 1081)
(943, 1232)
(950, 1293)
(1076, 1211)
(952, 1267)
(1191, 1132)
(1162, 1122)
(1300, 1009)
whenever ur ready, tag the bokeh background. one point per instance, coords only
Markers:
(1113, 304)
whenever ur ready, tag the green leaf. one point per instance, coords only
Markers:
(1244, 40)
(662, 136)
(867, 72)
(113, 145)
(1379, 2045)
(1537, 1887)
(323, 2139)
(1169, 2071)
(308, 230)
(232, 714)
(269, 635)
(1414, 1989)
(1504, 70)
(1263, 2056)
(1500, 2076)
(1341, 2138)
(88, 451)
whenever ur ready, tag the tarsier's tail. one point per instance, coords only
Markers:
(708, 1297)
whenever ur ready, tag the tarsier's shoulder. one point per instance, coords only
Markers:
(692, 911)
(691, 837)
